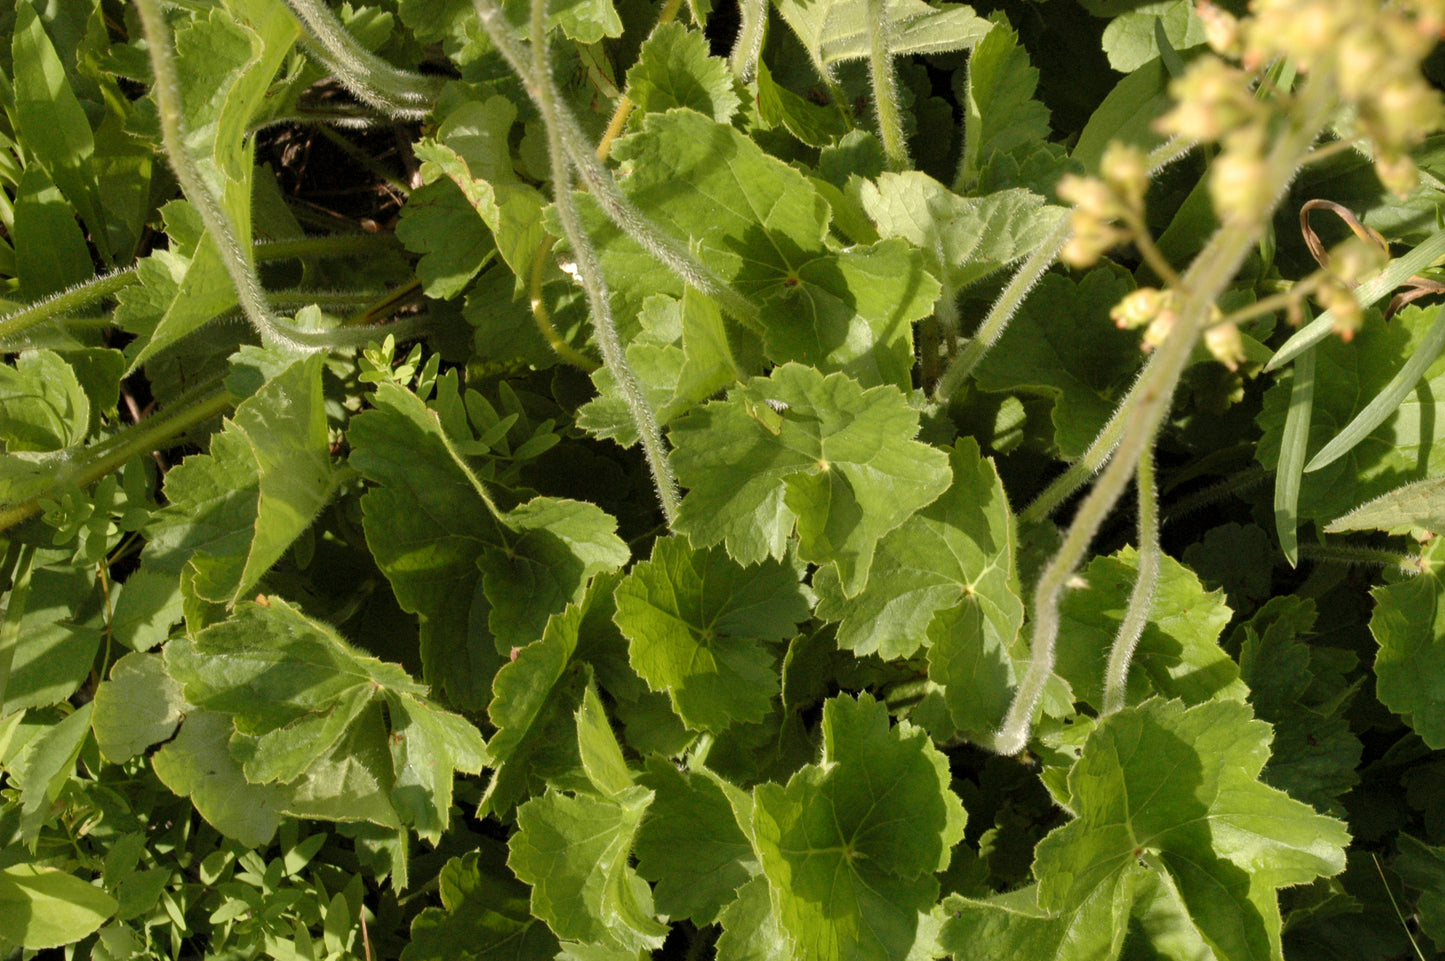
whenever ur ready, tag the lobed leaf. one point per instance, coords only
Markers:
(838, 464)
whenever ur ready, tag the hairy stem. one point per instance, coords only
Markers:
(1147, 405)
(197, 406)
(397, 93)
(590, 272)
(619, 209)
(1012, 297)
(885, 87)
(749, 44)
(1141, 598)
(59, 304)
(234, 254)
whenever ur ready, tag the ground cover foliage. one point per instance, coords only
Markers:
(822, 479)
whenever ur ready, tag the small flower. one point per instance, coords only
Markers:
(1139, 307)
(1397, 172)
(1348, 314)
(1126, 171)
(1221, 29)
(1226, 343)
(1159, 330)
(1212, 98)
(1237, 178)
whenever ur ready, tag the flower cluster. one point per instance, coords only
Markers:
(1368, 51)
(1101, 202)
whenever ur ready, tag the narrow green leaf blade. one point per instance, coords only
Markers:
(1387, 401)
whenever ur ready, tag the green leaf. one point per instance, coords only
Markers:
(287, 681)
(851, 844)
(574, 851)
(1127, 114)
(1130, 40)
(44, 765)
(955, 555)
(235, 511)
(1160, 788)
(674, 69)
(1062, 345)
(138, 706)
(197, 764)
(703, 630)
(761, 226)
(1409, 624)
(837, 31)
(50, 250)
(438, 542)
(44, 907)
(51, 123)
(427, 746)
(472, 149)
(839, 464)
(598, 750)
(534, 702)
(814, 124)
(42, 405)
(1388, 400)
(229, 59)
(1422, 866)
(1301, 690)
(1401, 449)
(57, 639)
(1421, 504)
(1002, 113)
(1293, 450)
(439, 222)
(690, 845)
(750, 929)
(485, 914)
(1178, 655)
(963, 239)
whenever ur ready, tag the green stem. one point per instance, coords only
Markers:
(72, 298)
(1141, 598)
(590, 272)
(1148, 403)
(233, 253)
(1002, 311)
(885, 88)
(614, 203)
(398, 93)
(1023, 281)
(324, 245)
(1365, 556)
(197, 406)
(749, 44)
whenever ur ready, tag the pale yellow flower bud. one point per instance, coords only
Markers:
(1347, 311)
(1237, 178)
(1226, 343)
(1125, 169)
(1397, 172)
(1221, 29)
(1138, 308)
(1089, 194)
(1159, 330)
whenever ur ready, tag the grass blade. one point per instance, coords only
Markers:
(1292, 450)
(1386, 401)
